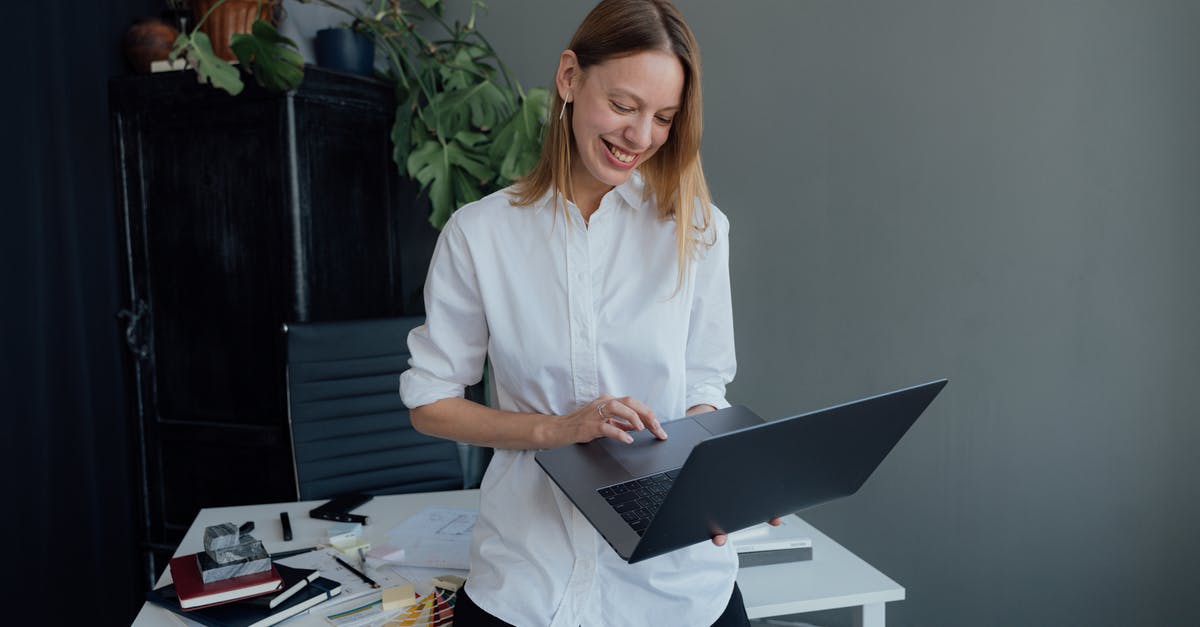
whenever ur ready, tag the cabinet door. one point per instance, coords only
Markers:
(241, 214)
(365, 245)
(214, 264)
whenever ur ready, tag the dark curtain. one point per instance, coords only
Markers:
(70, 505)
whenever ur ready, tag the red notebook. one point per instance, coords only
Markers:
(193, 593)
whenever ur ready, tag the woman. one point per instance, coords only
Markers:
(598, 287)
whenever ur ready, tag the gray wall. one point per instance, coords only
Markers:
(1003, 193)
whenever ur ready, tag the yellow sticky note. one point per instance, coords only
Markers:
(449, 583)
(398, 597)
(422, 613)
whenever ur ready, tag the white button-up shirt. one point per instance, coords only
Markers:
(567, 311)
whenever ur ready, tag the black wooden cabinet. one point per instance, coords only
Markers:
(240, 214)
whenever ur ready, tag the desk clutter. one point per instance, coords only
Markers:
(412, 580)
(303, 592)
(233, 566)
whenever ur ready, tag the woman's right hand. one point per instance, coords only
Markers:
(605, 417)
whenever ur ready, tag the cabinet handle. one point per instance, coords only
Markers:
(133, 329)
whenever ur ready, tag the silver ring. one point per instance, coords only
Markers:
(600, 410)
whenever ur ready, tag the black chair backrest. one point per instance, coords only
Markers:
(350, 431)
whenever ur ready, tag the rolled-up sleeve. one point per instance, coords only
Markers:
(448, 350)
(711, 363)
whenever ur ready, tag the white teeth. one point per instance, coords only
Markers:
(621, 156)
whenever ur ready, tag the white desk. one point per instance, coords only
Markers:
(834, 578)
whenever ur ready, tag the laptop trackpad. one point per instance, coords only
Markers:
(648, 455)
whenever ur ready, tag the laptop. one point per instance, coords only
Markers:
(729, 469)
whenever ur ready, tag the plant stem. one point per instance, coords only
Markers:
(503, 68)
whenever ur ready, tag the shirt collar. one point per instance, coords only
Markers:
(632, 190)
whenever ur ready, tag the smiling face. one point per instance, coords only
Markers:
(622, 113)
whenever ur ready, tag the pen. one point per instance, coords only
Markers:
(354, 570)
(286, 594)
(282, 554)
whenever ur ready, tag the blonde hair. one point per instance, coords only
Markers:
(616, 28)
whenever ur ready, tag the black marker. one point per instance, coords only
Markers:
(287, 525)
(282, 554)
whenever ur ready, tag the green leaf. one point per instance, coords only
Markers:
(454, 174)
(463, 154)
(461, 71)
(450, 113)
(402, 131)
(210, 68)
(466, 191)
(271, 57)
(470, 139)
(489, 105)
(482, 106)
(518, 144)
(429, 165)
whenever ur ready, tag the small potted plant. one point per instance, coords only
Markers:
(346, 48)
(225, 18)
(273, 59)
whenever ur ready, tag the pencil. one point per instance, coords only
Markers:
(361, 575)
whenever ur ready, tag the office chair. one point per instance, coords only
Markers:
(350, 430)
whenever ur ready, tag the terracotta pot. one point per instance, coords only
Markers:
(147, 41)
(233, 16)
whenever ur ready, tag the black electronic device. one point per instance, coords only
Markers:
(338, 508)
(654, 496)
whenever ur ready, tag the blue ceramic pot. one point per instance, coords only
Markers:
(345, 50)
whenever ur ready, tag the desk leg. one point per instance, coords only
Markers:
(869, 615)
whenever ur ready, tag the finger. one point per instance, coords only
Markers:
(720, 539)
(775, 522)
(618, 409)
(609, 430)
(649, 418)
(621, 424)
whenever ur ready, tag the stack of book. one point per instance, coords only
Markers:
(194, 593)
(227, 583)
(300, 590)
(232, 566)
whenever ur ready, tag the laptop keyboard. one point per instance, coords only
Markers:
(637, 501)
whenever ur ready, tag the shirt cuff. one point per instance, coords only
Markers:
(419, 388)
(706, 395)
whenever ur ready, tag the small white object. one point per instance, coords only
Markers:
(386, 553)
(764, 537)
(353, 550)
(168, 65)
(345, 534)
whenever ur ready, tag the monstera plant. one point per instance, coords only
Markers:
(463, 127)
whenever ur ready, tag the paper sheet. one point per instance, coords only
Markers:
(323, 560)
(436, 537)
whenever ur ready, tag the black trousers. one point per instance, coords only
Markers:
(467, 614)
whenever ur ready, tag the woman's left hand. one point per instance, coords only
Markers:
(720, 538)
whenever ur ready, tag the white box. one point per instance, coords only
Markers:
(763, 544)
